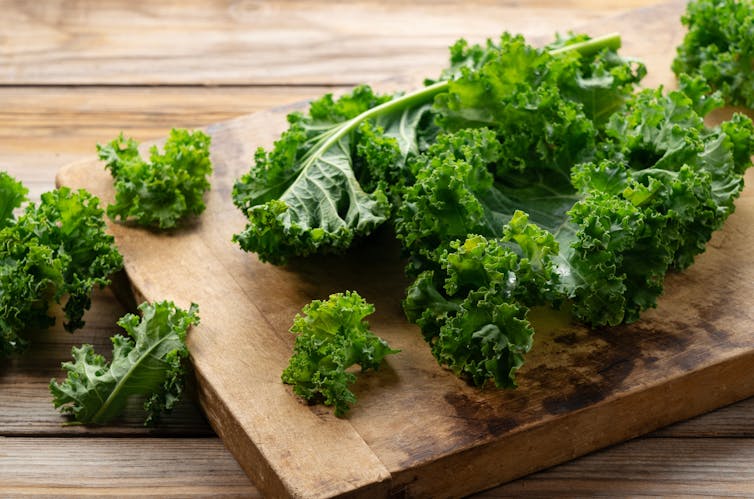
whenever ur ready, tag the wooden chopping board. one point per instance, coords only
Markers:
(417, 430)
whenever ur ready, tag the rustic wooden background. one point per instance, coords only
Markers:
(75, 73)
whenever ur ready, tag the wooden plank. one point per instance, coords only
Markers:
(714, 468)
(454, 439)
(44, 467)
(735, 421)
(44, 127)
(176, 42)
(97, 467)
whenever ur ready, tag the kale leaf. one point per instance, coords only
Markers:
(12, 195)
(327, 179)
(472, 310)
(57, 251)
(332, 336)
(719, 46)
(337, 172)
(605, 231)
(148, 363)
(165, 190)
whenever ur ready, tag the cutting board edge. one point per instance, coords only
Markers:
(526, 459)
(254, 464)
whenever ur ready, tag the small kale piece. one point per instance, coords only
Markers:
(165, 190)
(331, 337)
(148, 363)
(56, 252)
(12, 194)
(719, 46)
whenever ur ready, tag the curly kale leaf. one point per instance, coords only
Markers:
(612, 227)
(337, 171)
(719, 46)
(329, 177)
(472, 310)
(664, 184)
(12, 195)
(165, 190)
(29, 275)
(450, 197)
(544, 104)
(331, 337)
(148, 363)
(55, 252)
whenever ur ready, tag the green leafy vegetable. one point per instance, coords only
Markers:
(472, 310)
(719, 46)
(55, 252)
(536, 177)
(333, 174)
(332, 336)
(603, 233)
(165, 190)
(12, 195)
(306, 195)
(148, 363)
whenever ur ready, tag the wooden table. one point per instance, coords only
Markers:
(76, 73)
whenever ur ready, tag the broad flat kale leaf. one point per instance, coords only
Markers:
(328, 178)
(56, 252)
(719, 47)
(331, 337)
(165, 190)
(148, 363)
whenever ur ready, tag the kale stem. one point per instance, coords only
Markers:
(426, 94)
(406, 101)
(589, 47)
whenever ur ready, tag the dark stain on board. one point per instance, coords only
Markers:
(571, 370)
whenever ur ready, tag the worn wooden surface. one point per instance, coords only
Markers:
(44, 123)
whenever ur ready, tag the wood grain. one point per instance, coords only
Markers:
(44, 467)
(239, 42)
(642, 468)
(42, 128)
(97, 467)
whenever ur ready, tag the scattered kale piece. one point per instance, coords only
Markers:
(149, 363)
(164, 191)
(332, 336)
(57, 251)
